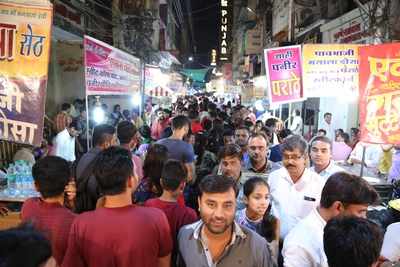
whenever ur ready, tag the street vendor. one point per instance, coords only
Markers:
(373, 154)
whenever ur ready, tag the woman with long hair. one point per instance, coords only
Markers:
(149, 186)
(257, 214)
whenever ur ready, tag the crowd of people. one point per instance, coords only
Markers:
(203, 183)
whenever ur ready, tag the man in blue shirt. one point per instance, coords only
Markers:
(179, 149)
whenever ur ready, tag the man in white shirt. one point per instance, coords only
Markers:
(295, 190)
(64, 143)
(391, 243)
(297, 124)
(343, 194)
(321, 157)
(372, 157)
(327, 126)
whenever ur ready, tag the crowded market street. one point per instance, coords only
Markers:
(199, 133)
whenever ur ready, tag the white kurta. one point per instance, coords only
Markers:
(64, 145)
(304, 245)
(328, 171)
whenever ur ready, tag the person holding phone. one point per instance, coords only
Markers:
(48, 213)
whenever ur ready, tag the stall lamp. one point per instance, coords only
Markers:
(98, 112)
(136, 100)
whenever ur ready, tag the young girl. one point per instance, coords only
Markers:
(257, 214)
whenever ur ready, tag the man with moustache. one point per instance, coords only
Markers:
(295, 190)
(230, 166)
(217, 240)
(241, 138)
(257, 164)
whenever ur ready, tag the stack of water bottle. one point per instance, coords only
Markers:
(20, 181)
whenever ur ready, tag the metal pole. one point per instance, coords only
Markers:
(362, 162)
(290, 26)
(142, 90)
(303, 116)
(87, 123)
(289, 115)
(280, 111)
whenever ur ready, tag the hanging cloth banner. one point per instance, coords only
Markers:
(330, 70)
(380, 93)
(24, 58)
(284, 74)
(108, 70)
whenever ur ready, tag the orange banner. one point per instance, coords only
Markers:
(380, 93)
(24, 57)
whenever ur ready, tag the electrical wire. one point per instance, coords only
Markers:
(179, 12)
(100, 4)
(202, 9)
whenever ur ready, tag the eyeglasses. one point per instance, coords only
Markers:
(293, 157)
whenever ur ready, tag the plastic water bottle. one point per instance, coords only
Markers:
(28, 183)
(19, 179)
(18, 183)
(28, 180)
(24, 176)
(11, 183)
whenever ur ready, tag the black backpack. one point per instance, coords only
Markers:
(86, 196)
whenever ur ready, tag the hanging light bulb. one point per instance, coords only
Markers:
(98, 112)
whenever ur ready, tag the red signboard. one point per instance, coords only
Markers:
(380, 93)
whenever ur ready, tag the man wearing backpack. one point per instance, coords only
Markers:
(87, 189)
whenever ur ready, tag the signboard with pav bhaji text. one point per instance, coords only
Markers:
(24, 57)
(380, 93)
(330, 70)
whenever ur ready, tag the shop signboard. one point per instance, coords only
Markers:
(225, 34)
(380, 93)
(284, 74)
(351, 27)
(280, 14)
(254, 40)
(330, 70)
(108, 70)
(25, 38)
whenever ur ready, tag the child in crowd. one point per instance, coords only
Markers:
(257, 214)
(25, 246)
(173, 179)
(47, 213)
